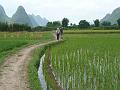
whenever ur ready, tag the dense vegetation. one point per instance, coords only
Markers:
(86, 61)
(4, 27)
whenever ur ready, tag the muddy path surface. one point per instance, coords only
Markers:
(13, 73)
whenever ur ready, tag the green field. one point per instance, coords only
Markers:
(77, 31)
(10, 42)
(87, 62)
(81, 62)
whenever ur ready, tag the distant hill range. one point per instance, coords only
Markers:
(113, 17)
(38, 21)
(3, 16)
(21, 17)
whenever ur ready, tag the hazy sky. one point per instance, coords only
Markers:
(75, 10)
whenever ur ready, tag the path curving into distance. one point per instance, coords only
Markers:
(13, 73)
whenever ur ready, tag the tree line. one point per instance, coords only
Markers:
(14, 27)
(84, 24)
(64, 23)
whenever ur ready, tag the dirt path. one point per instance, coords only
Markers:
(13, 73)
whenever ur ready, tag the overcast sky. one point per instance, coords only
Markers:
(75, 10)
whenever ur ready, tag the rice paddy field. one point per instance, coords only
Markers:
(87, 62)
(10, 41)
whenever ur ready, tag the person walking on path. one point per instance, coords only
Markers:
(58, 33)
(61, 32)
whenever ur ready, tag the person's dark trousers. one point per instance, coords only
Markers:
(57, 36)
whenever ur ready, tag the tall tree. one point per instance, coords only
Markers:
(84, 24)
(56, 24)
(65, 22)
(49, 24)
(97, 23)
(118, 21)
(71, 24)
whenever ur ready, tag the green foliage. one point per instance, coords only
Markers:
(40, 28)
(4, 27)
(84, 24)
(71, 24)
(65, 22)
(54, 24)
(106, 23)
(97, 23)
(49, 24)
(118, 21)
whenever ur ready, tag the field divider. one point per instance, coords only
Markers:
(93, 32)
(34, 64)
(47, 69)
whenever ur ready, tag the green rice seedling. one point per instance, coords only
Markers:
(87, 62)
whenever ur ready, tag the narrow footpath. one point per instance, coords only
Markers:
(13, 73)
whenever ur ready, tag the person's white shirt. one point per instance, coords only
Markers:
(58, 31)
